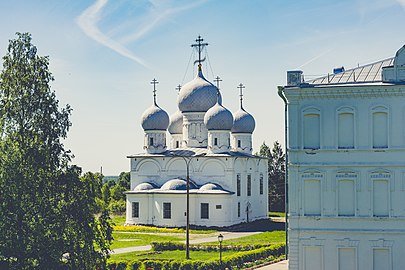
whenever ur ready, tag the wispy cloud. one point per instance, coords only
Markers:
(315, 58)
(90, 18)
(88, 23)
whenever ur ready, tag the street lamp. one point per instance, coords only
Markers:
(220, 239)
(187, 160)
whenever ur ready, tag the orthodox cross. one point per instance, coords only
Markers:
(241, 86)
(199, 46)
(154, 82)
(178, 87)
(217, 80)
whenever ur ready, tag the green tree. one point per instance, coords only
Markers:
(47, 211)
(124, 180)
(276, 175)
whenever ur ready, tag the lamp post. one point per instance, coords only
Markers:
(220, 239)
(187, 160)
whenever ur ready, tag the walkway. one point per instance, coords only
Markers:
(227, 236)
(283, 265)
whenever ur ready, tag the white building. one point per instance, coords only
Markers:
(346, 170)
(228, 185)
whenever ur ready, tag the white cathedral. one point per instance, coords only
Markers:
(346, 168)
(208, 146)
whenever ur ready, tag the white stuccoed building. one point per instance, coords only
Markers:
(228, 185)
(346, 168)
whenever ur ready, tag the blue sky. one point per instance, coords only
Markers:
(104, 53)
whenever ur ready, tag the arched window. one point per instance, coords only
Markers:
(311, 129)
(345, 128)
(380, 127)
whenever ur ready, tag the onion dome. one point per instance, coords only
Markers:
(197, 95)
(218, 118)
(176, 123)
(243, 122)
(177, 184)
(144, 186)
(155, 118)
(210, 186)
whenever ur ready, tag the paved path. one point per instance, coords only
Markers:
(227, 236)
(283, 265)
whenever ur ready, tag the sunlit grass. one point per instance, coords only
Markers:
(128, 239)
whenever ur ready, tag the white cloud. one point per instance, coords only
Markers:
(88, 23)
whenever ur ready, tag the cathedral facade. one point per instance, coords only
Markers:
(208, 160)
(346, 168)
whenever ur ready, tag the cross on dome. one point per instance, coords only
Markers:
(217, 80)
(199, 46)
(154, 82)
(241, 86)
(178, 87)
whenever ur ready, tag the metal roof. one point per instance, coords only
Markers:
(362, 74)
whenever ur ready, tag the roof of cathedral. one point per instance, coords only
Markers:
(218, 118)
(194, 152)
(197, 95)
(179, 186)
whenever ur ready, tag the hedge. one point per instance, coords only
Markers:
(235, 261)
(164, 246)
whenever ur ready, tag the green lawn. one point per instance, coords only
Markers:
(118, 220)
(173, 254)
(128, 239)
(264, 238)
(276, 214)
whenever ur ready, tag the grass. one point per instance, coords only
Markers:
(127, 239)
(172, 254)
(264, 238)
(276, 214)
(118, 220)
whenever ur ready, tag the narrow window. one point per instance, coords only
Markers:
(238, 185)
(380, 130)
(135, 209)
(345, 131)
(150, 141)
(261, 184)
(167, 210)
(215, 141)
(311, 131)
(218, 206)
(347, 258)
(204, 211)
(239, 143)
(381, 259)
(249, 185)
(238, 209)
(380, 198)
(177, 144)
(346, 200)
(312, 198)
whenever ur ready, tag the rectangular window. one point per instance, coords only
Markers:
(218, 206)
(312, 258)
(177, 144)
(167, 210)
(150, 141)
(346, 197)
(261, 184)
(345, 131)
(312, 198)
(238, 209)
(238, 185)
(381, 259)
(135, 209)
(380, 198)
(215, 141)
(347, 259)
(239, 144)
(380, 130)
(204, 210)
(249, 185)
(311, 131)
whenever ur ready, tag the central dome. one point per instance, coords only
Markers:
(197, 95)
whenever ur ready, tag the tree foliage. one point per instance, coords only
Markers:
(276, 175)
(47, 210)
